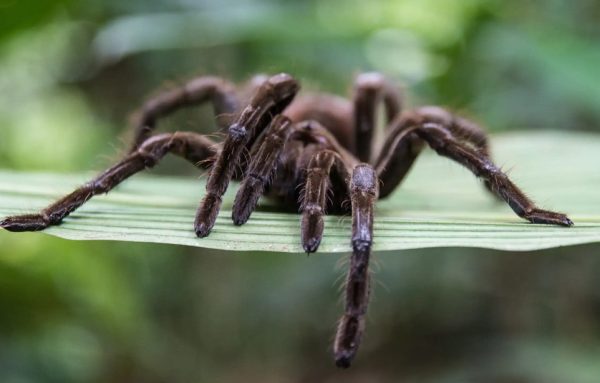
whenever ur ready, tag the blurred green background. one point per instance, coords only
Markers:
(72, 71)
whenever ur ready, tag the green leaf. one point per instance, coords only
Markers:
(439, 205)
(18, 16)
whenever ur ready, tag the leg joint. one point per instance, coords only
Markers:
(364, 179)
(312, 209)
(362, 245)
(237, 132)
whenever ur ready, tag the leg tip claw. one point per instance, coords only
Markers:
(240, 218)
(312, 229)
(343, 361)
(33, 222)
(550, 218)
(202, 230)
(311, 245)
(207, 215)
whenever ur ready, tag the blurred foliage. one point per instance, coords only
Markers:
(70, 72)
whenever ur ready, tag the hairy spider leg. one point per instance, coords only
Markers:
(191, 146)
(262, 166)
(399, 152)
(272, 97)
(329, 155)
(221, 93)
(316, 189)
(442, 139)
(463, 130)
(371, 89)
(363, 194)
(363, 191)
(393, 164)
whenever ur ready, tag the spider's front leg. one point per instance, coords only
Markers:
(362, 185)
(363, 190)
(363, 194)
(262, 165)
(192, 146)
(271, 98)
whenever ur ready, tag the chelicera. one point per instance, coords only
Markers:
(313, 153)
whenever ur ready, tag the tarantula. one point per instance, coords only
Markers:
(311, 153)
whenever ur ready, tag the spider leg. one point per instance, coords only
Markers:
(463, 130)
(442, 141)
(363, 194)
(473, 134)
(272, 97)
(400, 150)
(402, 145)
(192, 146)
(398, 154)
(369, 90)
(311, 131)
(329, 155)
(316, 188)
(261, 168)
(218, 91)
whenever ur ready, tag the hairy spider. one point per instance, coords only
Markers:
(312, 154)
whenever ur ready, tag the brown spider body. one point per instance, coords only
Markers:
(313, 154)
(311, 112)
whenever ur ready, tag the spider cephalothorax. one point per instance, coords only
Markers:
(311, 153)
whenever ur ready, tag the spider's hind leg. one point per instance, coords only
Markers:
(442, 141)
(402, 145)
(456, 141)
(463, 130)
(192, 146)
(219, 92)
(371, 89)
